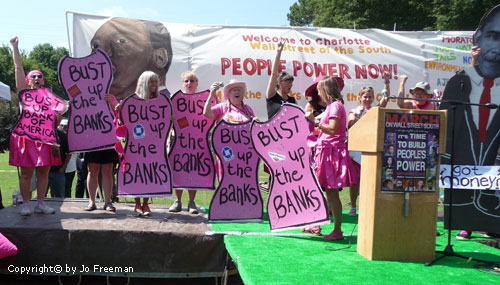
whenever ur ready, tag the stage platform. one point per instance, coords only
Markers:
(166, 245)
(263, 257)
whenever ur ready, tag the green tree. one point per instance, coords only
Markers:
(412, 15)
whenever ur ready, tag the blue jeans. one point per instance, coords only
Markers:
(57, 181)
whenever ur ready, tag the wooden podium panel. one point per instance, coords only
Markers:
(384, 232)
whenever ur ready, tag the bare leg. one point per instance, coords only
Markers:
(24, 183)
(107, 181)
(42, 180)
(92, 180)
(353, 195)
(138, 207)
(178, 194)
(145, 206)
(192, 195)
(336, 206)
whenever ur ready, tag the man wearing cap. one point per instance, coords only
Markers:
(476, 139)
(421, 92)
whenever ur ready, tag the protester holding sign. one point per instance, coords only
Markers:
(334, 168)
(422, 90)
(29, 154)
(190, 84)
(147, 88)
(103, 161)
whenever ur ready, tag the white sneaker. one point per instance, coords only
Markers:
(43, 208)
(25, 209)
(176, 207)
(192, 208)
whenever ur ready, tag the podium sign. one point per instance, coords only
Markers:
(385, 233)
(411, 147)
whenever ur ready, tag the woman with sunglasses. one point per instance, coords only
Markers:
(27, 154)
(279, 86)
(366, 97)
(189, 84)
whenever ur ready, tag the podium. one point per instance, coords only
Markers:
(384, 232)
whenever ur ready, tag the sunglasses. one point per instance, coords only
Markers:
(36, 76)
(369, 87)
(189, 80)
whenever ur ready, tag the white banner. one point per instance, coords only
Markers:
(470, 177)
(221, 53)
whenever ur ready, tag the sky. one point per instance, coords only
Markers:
(45, 21)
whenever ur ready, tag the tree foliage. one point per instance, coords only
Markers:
(43, 57)
(411, 15)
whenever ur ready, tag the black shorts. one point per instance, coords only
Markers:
(101, 156)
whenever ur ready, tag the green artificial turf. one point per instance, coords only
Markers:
(310, 260)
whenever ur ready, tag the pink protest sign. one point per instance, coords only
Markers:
(144, 169)
(237, 197)
(38, 119)
(295, 198)
(190, 157)
(86, 80)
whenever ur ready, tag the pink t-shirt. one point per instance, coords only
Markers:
(427, 106)
(334, 110)
(234, 115)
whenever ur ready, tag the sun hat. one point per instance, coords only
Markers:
(232, 84)
(424, 86)
(312, 91)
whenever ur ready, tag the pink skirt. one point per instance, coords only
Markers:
(27, 153)
(333, 166)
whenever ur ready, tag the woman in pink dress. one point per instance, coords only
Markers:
(27, 154)
(333, 166)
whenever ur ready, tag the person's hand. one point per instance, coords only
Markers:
(386, 76)
(62, 170)
(107, 97)
(310, 116)
(118, 107)
(214, 87)
(403, 78)
(475, 51)
(14, 41)
(361, 110)
(55, 151)
(281, 45)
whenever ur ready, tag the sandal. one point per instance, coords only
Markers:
(315, 230)
(90, 207)
(138, 211)
(146, 211)
(334, 236)
(108, 206)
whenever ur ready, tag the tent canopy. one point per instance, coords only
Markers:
(4, 91)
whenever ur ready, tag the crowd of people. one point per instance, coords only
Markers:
(334, 166)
